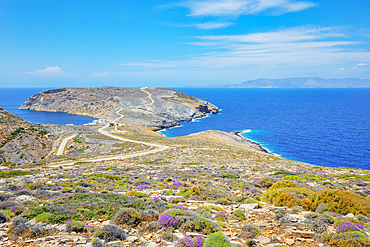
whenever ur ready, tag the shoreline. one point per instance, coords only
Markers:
(179, 123)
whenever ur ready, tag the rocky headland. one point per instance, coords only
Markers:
(151, 107)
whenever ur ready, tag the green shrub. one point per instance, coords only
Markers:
(239, 214)
(127, 216)
(340, 201)
(250, 200)
(265, 182)
(288, 197)
(283, 184)
(347, 239)
(201, 224)
(206, 193)
(44, 217)
(217, 239)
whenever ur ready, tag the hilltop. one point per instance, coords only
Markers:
(151, 107)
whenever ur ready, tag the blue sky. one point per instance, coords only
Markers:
(134, 43)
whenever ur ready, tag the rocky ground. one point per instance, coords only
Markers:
(206, 189)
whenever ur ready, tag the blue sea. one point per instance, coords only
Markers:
(327, 127)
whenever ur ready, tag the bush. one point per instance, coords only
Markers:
(9, 205)
(204, 211)
(250, 231)
(202, 193)
(201, 224)
(347, 239)
(75, 226)
(217, 239)
(323, 207)
(340, 201)
(283, 184)
(239, 214)
(349, 227)
(149, 215)
(44, 217)
(18, 227)
(127, 216)
(288, 196)
(112, 233)
(265, 182)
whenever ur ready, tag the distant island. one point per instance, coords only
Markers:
(301, 82)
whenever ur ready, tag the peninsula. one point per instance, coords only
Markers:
(151, 107)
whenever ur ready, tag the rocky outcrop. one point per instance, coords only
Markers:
(151, 107)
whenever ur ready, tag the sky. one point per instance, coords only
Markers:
(174, 43)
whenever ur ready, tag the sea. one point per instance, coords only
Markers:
(324, 127)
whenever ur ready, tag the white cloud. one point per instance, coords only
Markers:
(341, 69)
(244, 7)
(281, 36)
(49, 71)
(362, 64)
(213, 25)
(289, 47)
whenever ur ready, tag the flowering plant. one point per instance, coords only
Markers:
(142, 187)
(190, 242)
(348, 227)
(166, 220)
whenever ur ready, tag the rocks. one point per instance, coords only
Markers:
(248, 207)
(25, 198)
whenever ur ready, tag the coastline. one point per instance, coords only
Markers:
(179, 123)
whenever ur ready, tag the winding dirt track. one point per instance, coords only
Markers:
(159, 148)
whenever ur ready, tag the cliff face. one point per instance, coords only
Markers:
(152, 107)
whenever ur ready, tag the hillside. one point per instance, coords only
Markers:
(151, 107)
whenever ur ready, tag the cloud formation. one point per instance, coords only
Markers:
(362, 64)
(244, 7)
(49, 71)
(304, 46)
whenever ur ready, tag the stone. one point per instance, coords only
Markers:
(289, 241)
(25, 198)
(249, 206)
(263, 240)
(350, 215)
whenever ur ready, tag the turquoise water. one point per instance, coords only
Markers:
(12, 98)
(328, 127)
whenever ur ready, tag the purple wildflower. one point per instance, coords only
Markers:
(221, 216)
(181, 207)
(177, 185)
(142, 187)
(349, 226)
(166, 220)
(190, 242)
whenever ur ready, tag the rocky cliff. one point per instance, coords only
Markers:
(152, 107)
